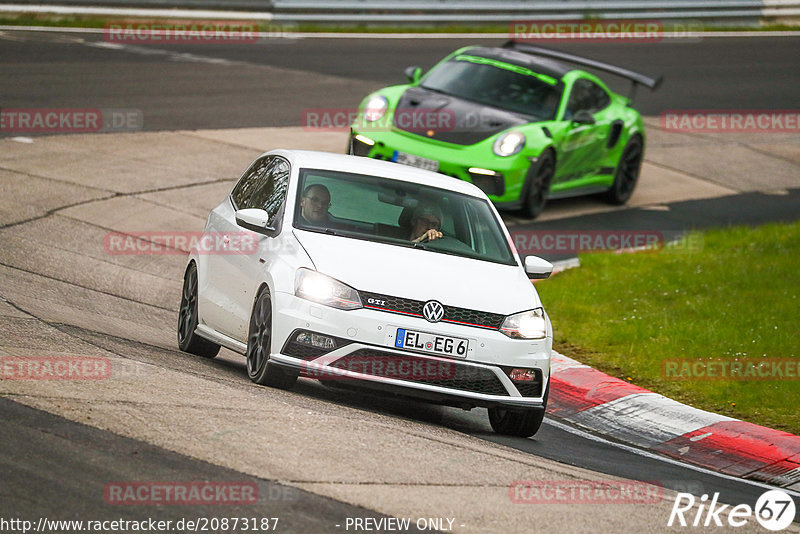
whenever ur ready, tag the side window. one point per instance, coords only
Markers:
(586, 95)
(600, 98)
(264, 186)
(249, 182)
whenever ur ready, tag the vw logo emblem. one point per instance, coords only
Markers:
(433, 311)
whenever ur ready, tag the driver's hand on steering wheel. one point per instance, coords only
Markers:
(430, 235)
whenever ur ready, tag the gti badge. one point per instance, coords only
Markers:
(433, 311)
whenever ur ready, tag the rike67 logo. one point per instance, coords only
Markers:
(774, 510)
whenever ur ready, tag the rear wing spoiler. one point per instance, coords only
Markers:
(636, 78)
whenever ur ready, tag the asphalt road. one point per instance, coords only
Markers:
(46, 457)
(270, 83)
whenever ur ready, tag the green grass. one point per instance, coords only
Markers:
(733, 295)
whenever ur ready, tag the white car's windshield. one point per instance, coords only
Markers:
(399, 213)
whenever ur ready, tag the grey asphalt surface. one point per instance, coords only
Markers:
(262, 85)
(57, 469)
(270, 83)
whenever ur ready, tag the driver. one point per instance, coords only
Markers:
(426, 223)
(314, 204)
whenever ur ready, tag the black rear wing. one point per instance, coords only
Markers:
(636, 78)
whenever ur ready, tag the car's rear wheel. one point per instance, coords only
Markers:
(259, 342)
(188, 340)
(627, 174)
(539, 177)
(518, 423)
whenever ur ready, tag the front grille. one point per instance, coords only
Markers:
(411, 368)
(403, 306)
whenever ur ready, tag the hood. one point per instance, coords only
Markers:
(421, 274)
(451, 119)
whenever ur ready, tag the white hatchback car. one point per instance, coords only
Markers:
(373, 273)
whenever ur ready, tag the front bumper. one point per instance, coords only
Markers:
(504, 188)
(365, 354)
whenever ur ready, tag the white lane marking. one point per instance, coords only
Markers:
(647, 454)
(173, 56)
(345, 35)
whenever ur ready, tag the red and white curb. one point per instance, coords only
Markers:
(628, 413)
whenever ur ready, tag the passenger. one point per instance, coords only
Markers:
(426, 223)
(314, 205)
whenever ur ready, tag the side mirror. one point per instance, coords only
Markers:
(254, 219)
(537, 268)
(413, 73)
(583, 117)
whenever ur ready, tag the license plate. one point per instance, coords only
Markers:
(431, 343)
(415, 161)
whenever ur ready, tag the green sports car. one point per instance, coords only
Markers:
(516, 121)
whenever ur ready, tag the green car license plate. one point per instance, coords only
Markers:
(415, 161)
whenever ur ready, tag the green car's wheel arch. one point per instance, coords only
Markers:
(627, 173)
(188, 340)
(540, 175)
(259, 343)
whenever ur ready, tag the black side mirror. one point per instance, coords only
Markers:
(413, 73)
(583, 117)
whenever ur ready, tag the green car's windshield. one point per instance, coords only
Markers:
(391, 211)
(498, 84)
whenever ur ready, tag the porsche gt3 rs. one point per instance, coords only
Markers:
(517, 121)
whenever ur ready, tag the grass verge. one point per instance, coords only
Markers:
(733, 298)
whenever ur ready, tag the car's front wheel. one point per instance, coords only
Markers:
(522, 423)
(539, 177)
(628, 168)
(259, 343)
(188, 340)
(511, 423)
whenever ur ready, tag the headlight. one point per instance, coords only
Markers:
(526, 325)
(317, 287)
(375, 108)
(509, 144)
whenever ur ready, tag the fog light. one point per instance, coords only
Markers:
(522, 375)
(316, 340)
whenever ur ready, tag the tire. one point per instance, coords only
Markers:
(522, 424)
(627, 173)
(539, 178)
(259, 343)
(188, 340)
